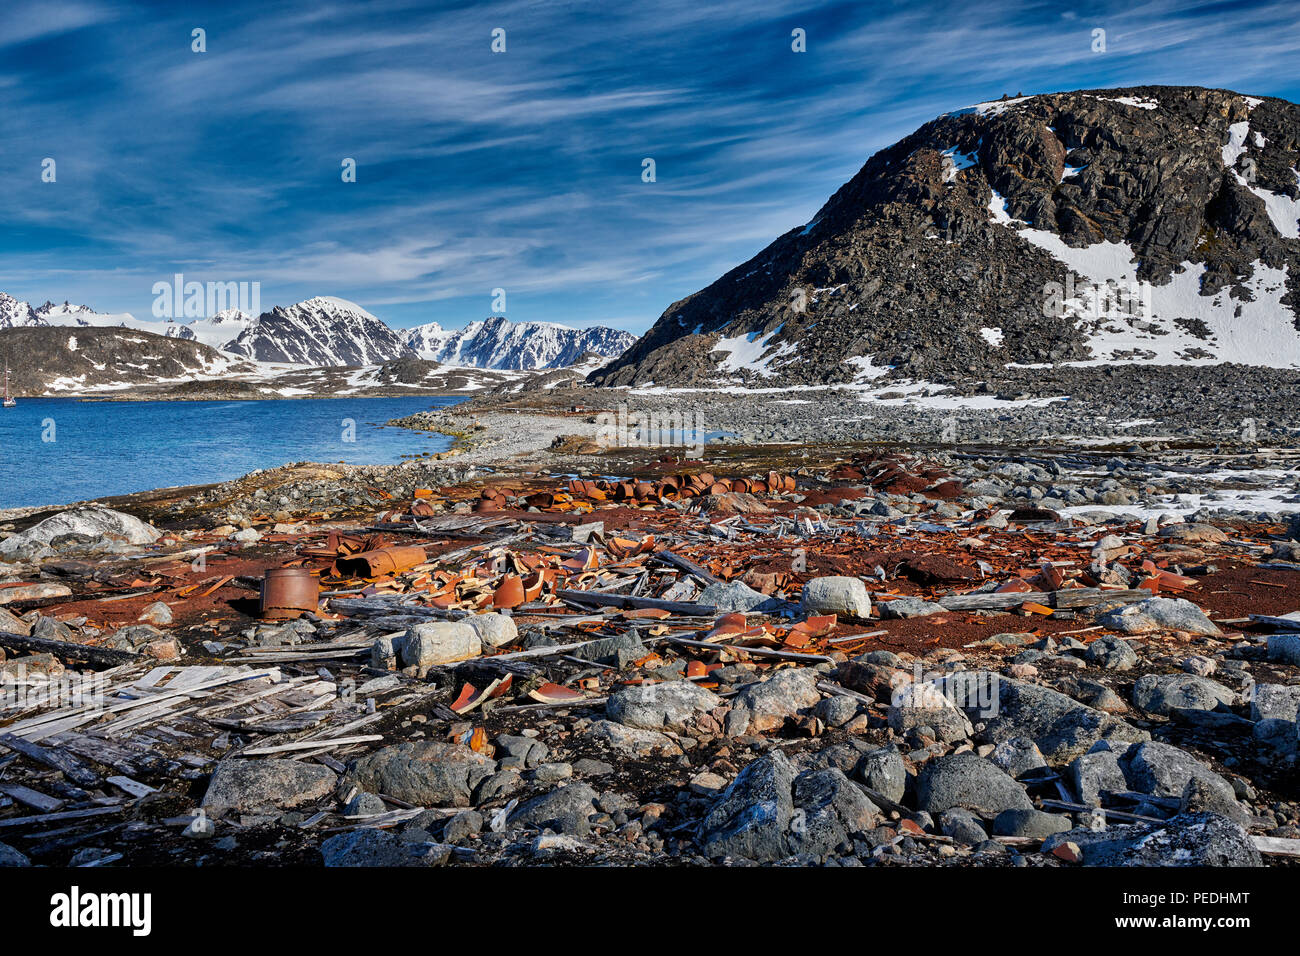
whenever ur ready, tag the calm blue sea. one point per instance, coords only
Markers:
(57, 450)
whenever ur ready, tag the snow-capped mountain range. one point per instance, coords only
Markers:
(498, 343)
(328, 331)
(319, 331)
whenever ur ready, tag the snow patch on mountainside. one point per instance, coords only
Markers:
(217, 331)
(752, 351)
(1283, 211)
(1263, 334)
(1135, 101)
(1166, 333)
(1236, 144)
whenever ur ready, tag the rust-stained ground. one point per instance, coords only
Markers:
(745, 515)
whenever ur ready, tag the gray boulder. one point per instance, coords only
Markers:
(1112, 653)
(1017, 756)
(836, 710)
(1061, 727)
(1163, 770)
(1201, 796)
(1158, 614)
(752, 817)
(11, 857)
(266, 786)
(1030, 823)
(1274, 702)
(566, 810)
(631, 740)
(516, 752)
(884, 772)
(618, 651)
(385, 651)
(668, 705)
(768, 813)
(365, 805)
(1194, 839)
(767, 703)
(965, 780)
(423, 773)
(371, 846)
(494, 630)
(1095, 771)
(439, 642)
(924, 704)
(829, 810)
(462, 826)
(1164, 693)
(1278, 736)
(1284, 649)
(729, 596)
(1195, 533)
(93, 522)
(908, 607)
(844, 596)
(963, 826)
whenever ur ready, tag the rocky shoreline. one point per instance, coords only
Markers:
(782, 653)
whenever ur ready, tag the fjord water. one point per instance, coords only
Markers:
(58, 450)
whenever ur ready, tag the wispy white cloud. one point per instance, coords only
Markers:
(520, 170)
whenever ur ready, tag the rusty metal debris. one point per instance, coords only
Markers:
(536, 622)
(288, 593)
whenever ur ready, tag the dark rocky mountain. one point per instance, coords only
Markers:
(49, 360)
(1020, 232)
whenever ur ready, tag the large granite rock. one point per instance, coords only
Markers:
(91, 522)
(1164, 693)
(1061, 727)
(667, 705)
(968, 781)
(847, 597)
(266, 786)
(423, 773)
(768, 702)
(1193, 839)
(439, 642)
(1158, 614)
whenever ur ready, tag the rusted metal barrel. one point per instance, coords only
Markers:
(385, 561)
(288, 593)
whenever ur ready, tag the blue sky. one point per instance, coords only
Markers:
(520, 170)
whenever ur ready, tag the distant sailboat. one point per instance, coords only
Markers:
(9, 401)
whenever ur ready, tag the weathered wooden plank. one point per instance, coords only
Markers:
(67, 650)
(318, 743)
(36, 591)
(70, 766)
(134, 787)
(1084, 597)
(369, 607)
(33, 798)
(1064, 598)
(55, 817)
(1276, 846)
(759, 651)
(687, 565)
(602, 599)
